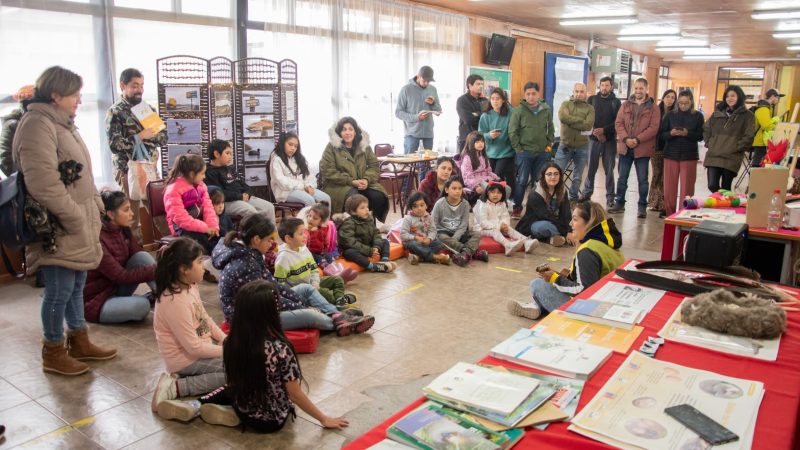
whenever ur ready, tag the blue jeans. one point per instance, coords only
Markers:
(642, 173)
(426, 252)
(123, 306)
(608, 151)
(305, 318)
(62, 299)
(543, 230)
(308, 199)
(529, 167)
(314, 298)
(547, 296)
(579, 155)
(411, 145)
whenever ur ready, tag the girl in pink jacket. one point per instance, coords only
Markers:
(475, 168)
(189, 209)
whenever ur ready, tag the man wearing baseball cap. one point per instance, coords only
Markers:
(764, 112)
(417, 102)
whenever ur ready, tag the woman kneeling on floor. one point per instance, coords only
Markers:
(598, 254)
(108, 294)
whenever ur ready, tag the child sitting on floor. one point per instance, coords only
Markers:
(241, 258)
(185, 333)
(419, 234)
(295, 265)
(321, 241)
(263, 374)
(451, 217)
(492, 219)
(218, 200)
(360, 239)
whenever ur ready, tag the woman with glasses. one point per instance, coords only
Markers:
(681, 130)
(547, 214)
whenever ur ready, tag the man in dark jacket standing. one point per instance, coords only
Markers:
(469, 108)
(602, 142)
(124, 131)
(637, 126)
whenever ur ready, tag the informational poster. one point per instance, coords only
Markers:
(568, 72)
(290, 106)
(493, 78)
(628, 412)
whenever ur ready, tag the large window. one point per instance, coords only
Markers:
(750, 79)
(98, 39)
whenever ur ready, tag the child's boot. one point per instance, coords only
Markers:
(481, 255)
(348, 274)
(413, 259)
(348, 324)
(333, 269)
(80, 347)
(384, 267)
(530, 245)
(56, 360)
(513, 246)
(441, 258)
(460, 259)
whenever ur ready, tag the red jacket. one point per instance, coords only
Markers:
(118, 247)
(318, 240)
(643, 127)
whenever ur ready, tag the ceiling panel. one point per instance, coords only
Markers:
(723, 23)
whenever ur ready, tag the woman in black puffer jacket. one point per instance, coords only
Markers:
(681, 130)
(10, 122)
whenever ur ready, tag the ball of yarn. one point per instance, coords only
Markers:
(691, 203)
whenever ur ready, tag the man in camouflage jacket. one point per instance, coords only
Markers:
(123, 129)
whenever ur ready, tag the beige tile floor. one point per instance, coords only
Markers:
(427, 318)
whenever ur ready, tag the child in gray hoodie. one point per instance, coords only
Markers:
(451, 217)
(419, 233)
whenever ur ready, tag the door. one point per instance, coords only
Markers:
(691, 85)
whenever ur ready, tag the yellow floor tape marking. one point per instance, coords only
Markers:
(507, 269)
(411, 289)
(60, 431)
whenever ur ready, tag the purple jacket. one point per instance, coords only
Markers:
(474, 176)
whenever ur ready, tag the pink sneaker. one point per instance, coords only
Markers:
(333, 269)
(348, 274)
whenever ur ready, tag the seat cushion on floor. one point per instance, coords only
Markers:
(304, 340)
(396, 251)
(491, 246)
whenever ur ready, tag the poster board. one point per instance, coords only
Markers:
(493, 78)
(561, 72)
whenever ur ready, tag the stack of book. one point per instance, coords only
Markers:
(604, 313)
(433, 427)
(540, 350)
(501, 397)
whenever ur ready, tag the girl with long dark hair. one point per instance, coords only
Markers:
(289, 176)
(728, 134)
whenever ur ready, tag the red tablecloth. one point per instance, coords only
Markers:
(777, 418)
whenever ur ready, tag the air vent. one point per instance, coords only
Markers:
(624, 61)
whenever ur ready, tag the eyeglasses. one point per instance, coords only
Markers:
(552, 174)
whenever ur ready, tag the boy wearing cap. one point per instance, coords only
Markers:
(417, 102)
(763, 112)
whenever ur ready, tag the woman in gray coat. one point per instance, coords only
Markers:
(728, 133)
(45, 143)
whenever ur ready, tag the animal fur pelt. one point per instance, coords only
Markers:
(748, 316)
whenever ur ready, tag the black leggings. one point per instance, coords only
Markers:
(506, 169)
(221, 397)
(717, 173)
(378, 202)
(357, 257)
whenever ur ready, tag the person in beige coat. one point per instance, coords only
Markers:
(45, 138)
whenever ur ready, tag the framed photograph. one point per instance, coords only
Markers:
(256, 176)
(182, 98)
(290, 127)
(224, 128)
(222, 103)
(184, 131)
(257, 150)
(255, 126)
(174, 150)
(257, 102)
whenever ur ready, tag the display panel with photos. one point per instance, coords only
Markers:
(184, 131)
(258, 125)
(182, 98)
(255, 102)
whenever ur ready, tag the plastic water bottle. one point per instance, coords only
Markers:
(775, 214)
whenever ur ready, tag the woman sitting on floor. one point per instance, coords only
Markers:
(433, 183)
(547, 214)
(108, 294)
(598, 254)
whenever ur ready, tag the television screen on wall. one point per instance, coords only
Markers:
(499, 49)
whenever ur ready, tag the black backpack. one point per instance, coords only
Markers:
(15, 233)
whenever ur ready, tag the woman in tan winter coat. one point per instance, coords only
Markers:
(45, 142)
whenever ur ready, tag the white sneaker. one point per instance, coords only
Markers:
(514, 246)
(166, 389)
(219, 415)
(529, 310)
(179, 410)
(530, 245)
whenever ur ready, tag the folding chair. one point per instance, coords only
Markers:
(158, 213)
(747, 164)
(398, 177)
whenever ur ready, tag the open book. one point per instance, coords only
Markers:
(147, 117)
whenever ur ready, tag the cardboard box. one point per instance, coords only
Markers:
(763, 182)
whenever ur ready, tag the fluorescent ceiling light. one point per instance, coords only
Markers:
(645, 37)
(793, 47)
(607, 20)
(680, 48)
(766, 14)
(786, 35)
(649, 29)
(707, 57)
(788, 26)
